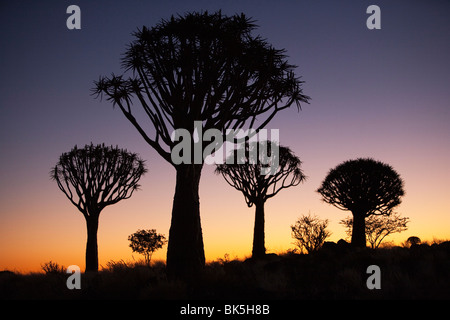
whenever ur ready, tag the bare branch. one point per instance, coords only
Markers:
(217, 73)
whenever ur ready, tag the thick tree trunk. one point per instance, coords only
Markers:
(91, 245)
(259, 249)
(359, 230)
(185, 253)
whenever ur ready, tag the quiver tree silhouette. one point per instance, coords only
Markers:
(365, 187)
(310, 233)
(245, 175)
(95, 177)
(198, 67)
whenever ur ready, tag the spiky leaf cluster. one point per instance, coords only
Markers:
(363, 186)
(201, 67)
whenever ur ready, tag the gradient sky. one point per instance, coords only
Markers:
(375, 93)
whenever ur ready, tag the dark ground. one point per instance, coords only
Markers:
(334, 272)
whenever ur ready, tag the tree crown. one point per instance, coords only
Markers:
(363, 186)
(204, 67)
(244, 173)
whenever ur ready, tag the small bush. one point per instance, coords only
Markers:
(52, 268)
(310, 233)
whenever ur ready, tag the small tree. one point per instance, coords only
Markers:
(310, 233)
(95, 177)
(204, 67)
(245, 175)
(365, 187)
(378, 227)
(146, 242)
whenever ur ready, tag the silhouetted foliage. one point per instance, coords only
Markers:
(365, 187)
(310, 233)
(95, 177)
(198, 67)
(53, 268)
(245, 175)
(413, 241)
(146, 242)
(378, 227)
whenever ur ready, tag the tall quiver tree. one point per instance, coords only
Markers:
(260, 180)
(95, 177)
(198, 67)
(364, 187)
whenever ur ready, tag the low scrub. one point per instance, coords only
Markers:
(334, 272)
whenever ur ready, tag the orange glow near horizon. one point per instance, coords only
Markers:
(226, 221)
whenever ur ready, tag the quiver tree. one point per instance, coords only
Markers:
(364, 187)
(198, 67)
(245, 175)
(95, 177)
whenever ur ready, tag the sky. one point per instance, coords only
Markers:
(374, 93)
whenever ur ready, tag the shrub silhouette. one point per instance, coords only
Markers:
(246, 176)
(198, 67)
(146, 242)
(95, 177)
(53, 268)
(413, 241)
(310, 233)
(365, 187)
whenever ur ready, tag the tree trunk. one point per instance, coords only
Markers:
(185, 253)
(259, 249)
(359, 230)
(91, 245)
